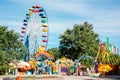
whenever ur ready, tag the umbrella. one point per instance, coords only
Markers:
(14, 63)
(22, 64)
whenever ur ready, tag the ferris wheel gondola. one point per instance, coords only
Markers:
(35, 30)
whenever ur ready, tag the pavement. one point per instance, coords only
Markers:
(90, 78)
(59, 77)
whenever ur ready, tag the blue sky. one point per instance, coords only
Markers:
(63, 14)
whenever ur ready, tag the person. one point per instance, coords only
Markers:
(75, 66)
(40, 70)
(50, 69)
(47, 69)
(96, 66)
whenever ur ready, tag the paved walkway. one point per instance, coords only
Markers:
(58, 77)
(87, 78)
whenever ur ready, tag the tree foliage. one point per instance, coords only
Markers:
(79, 40)
(55, 52)
(10, 47)
(88, 62)
(3, 62)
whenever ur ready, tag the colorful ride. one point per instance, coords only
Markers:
(34, 32)
(63, 66)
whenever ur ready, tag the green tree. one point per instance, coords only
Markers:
(81, 39)
(3, 63)
(10, 47)
(55, 52)
(88, 62)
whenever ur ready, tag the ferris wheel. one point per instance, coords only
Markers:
(35, 30)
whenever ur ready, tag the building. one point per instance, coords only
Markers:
(114, 49)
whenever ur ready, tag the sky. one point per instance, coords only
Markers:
(104, 15)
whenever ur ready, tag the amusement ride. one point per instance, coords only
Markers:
(34, 36)
(35, 31)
